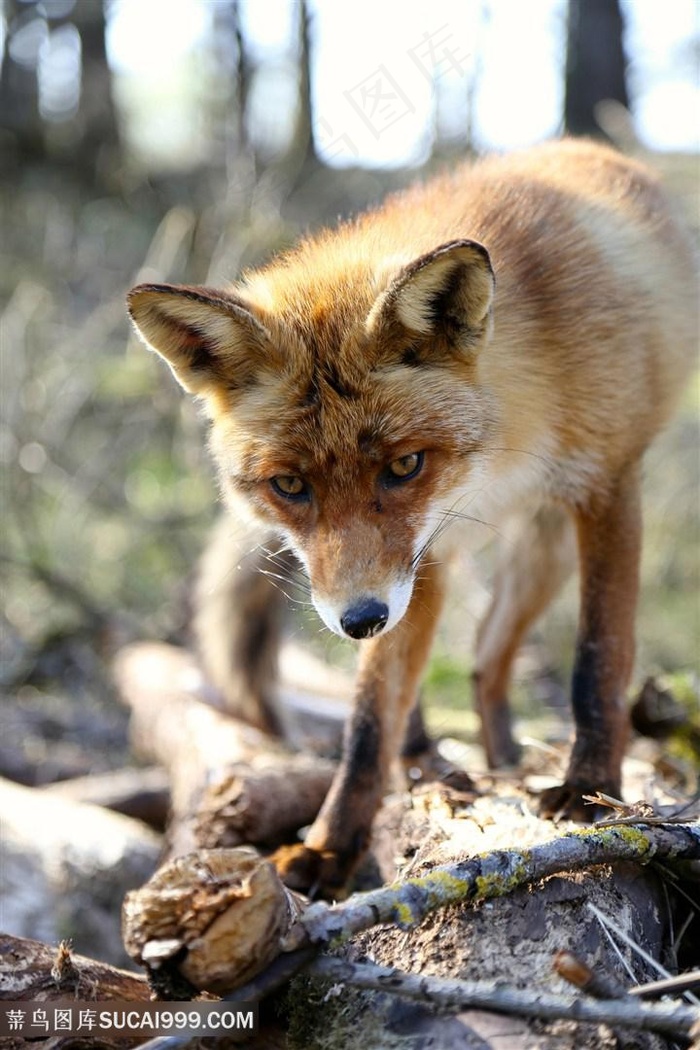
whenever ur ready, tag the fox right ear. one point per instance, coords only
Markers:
(209, 338)
(449, 291)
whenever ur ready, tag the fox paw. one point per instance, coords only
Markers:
(317, 874)
(430, 766)
(565, 802)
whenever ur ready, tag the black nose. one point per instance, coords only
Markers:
(365, 619)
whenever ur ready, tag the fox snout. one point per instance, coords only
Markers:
(367, 614)
(365, 618)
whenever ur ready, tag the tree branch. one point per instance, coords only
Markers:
(455, 995)
(490, 875)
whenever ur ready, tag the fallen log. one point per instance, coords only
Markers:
(230, 783)
(262, 804)
(208, 921)
(31, 970)
(467, 906)
(173, 725)
(39, 974)
(140, 793)
(66, 867)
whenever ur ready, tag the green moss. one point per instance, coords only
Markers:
(404, 914)
(323, 1015)
(634, 837)
(442, 887)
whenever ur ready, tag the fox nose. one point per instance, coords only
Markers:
(364, 619)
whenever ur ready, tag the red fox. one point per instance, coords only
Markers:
(502, 342)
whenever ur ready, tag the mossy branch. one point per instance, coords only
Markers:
(490, 875)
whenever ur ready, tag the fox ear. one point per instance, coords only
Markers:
(208, 338)
(448, 291)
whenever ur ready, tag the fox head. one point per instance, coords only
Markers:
(344, 404)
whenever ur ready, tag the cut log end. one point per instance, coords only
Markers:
(208, 921)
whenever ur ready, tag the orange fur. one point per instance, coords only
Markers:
(517, 331)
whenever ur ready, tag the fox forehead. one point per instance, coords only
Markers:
(343, 391)
(319, 414)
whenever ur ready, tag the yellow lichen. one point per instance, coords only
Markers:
(611, 836)
(635, 837)
(498, 884)
(436, 889)
(404, 914)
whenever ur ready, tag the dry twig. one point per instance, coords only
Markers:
(643, 812)
(669, 1019)
(454, 995)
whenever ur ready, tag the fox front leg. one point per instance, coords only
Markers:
(391, 666)
(609, 539)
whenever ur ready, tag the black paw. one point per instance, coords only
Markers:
(566, 802)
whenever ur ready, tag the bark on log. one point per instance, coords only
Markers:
(31, 970)
(230, 783)
(66, 867)
(34, 972)
(208, 921)
(263, 805)
(171, 722)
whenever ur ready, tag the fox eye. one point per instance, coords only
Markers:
(403, 469)
(291, 487)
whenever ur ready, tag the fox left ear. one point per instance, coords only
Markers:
(209, 338)
(449, 290)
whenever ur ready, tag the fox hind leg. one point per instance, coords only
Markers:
(422, 759)
(534, 568)
(609, 539)
(239, 615)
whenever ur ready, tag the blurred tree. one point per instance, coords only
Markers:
(286, 143)
(303, 148)
(98, 135)
(21, 126)
(240, 79)
(55, 86)
(232, 69)
(595, 63)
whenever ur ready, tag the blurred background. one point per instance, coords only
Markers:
(182, 140)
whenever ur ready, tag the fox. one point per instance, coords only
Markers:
(498, 343)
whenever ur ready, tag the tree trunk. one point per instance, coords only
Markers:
(21, 127)
(595, 64)
(98, 151)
